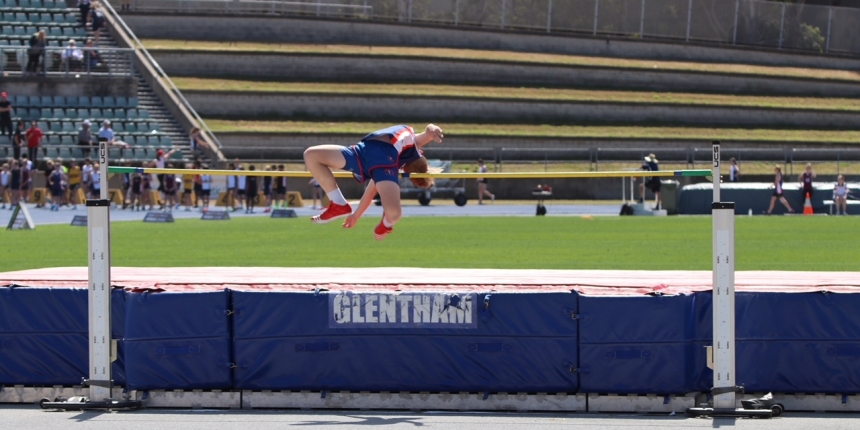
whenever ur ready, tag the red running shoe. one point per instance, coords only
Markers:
(381, 231)
(332, 212)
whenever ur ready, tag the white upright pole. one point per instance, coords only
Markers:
(723, 215)
(98, 226)
(716, 175)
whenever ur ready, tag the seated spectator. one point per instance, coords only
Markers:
(91, 55)
(105, 133)
(72, 56)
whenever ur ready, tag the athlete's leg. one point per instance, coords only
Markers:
(785, 203)
(772, 204)
(320, 160)
(389, 195)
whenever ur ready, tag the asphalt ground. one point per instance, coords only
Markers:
(21, 417)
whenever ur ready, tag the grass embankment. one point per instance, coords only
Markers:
(763, 243)
(561, 131)
(518, 93)
(504, 56)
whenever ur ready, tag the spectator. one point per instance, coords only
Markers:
(38, 43)
(84, 6)
(72, 56)
(734, 171)
(49, 170)
(205, 190)
(97, 20)
(280, 188)
(87, 175)
(316, 193)
(136, 190)
(840, 195)
(19, 139)
(267, 190)
(778, 192)
(75, 183)
(85, 138)
(198, 185)
(169, 189)
(6, 116)
(231, 189)
(806, 181)
(26, 163)
(95, 183)
(26, 178)
(15, 183)
(241, 182)
(105, 133)
(4, 185)
(159, 163)
(197, 142)
(34, 140)
(482, 184)
(56, 184)
(126, 186)
(146, 190)
(187, 189)
(91, 55)
(251, 191)
(652, 182)
(125, 5)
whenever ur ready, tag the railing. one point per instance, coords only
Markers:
(109, 62)
(313, 8)
(736, 22)
(692, 158)
(137, 45)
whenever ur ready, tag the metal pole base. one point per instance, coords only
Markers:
(83, 404)
(734, 413)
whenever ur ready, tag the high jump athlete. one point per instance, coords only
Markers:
(377, 158)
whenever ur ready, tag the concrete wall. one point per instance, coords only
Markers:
(292, 30)
(231, 104)
(83, 86)
(391, 69)
(287, 146)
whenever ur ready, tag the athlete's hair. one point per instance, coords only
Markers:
(419, 166)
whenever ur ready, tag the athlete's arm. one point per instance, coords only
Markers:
(431, 133)
(366, 200)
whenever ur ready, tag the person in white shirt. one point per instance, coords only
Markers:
(840, 195)
(205, 189)
(72, 56)
(106, 133)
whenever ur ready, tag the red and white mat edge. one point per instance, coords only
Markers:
(591, 282)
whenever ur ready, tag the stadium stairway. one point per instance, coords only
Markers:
(19, 19)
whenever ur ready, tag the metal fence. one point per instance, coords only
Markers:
(323, 8)
(90, 62)
(762, 23)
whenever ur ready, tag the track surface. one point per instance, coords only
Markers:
(65, 215)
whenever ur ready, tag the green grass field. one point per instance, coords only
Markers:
(674, 243)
